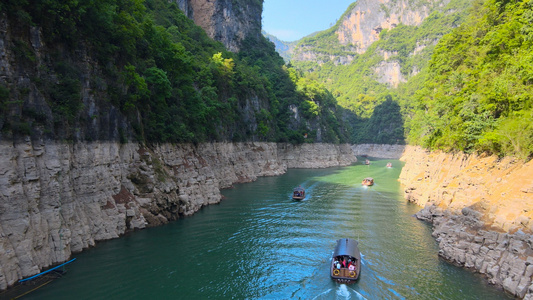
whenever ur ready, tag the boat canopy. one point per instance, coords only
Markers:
(299, 189)
(347, 247)
(369, 179)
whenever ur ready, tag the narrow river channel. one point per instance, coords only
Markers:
(260, 244)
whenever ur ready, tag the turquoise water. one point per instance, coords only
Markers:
(260, 244)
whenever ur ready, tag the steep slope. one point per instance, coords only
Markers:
(481, 208)
(226, 21)
(389, 70)
(285, 49)
(125, 114)
(360, 26)
(129, 70)
(478, 92)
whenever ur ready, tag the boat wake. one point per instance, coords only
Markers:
(341, 292)
(344, 292)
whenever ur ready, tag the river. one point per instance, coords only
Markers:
(260, 244)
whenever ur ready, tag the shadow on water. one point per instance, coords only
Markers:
(260, 244)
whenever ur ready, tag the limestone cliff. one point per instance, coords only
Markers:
(362, 25)
(481, 208)
(379, 150)
(61, 192)
(59, 198)
(226, 21)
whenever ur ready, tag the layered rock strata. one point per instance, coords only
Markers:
(378, 150)
(59, 198)
(481, 208)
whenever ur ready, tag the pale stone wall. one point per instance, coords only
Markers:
(379, 151)
(59, 198)
(482, 211)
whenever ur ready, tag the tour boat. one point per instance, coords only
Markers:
(368, 181)
(346, 261)
(389, 165)
(298, 193)
(367, 162)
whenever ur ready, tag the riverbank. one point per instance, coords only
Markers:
(481, 208)
(60, 198)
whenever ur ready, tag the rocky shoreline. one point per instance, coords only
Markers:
(379, 151)
(481, 209)
(60, 198)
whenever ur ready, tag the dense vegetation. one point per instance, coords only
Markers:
(357, 85)
(471, 91)
(325, 43)
(160, 72)
(478, 95)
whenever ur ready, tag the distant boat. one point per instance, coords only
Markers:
(346, 261)
(367, 162)
(389, 165)
(298, 193)
(368, 181)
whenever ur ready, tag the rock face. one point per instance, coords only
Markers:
(59, 198)
(379, 151)
(226, 21)
(359, 27)
(481, 208)
(362, 25)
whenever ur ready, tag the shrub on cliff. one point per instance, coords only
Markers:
(478, 94)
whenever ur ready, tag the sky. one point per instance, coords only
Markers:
(290, 20)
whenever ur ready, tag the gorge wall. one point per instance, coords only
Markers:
(362, 25)
(226, 21)
(379, 150)
(481, 208)
(59, 198)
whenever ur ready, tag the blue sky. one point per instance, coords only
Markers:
(290, 20)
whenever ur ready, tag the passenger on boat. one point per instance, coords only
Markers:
(336, 263)
(351, 266)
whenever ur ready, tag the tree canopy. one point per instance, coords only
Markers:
(478, 94)
(160, 71)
